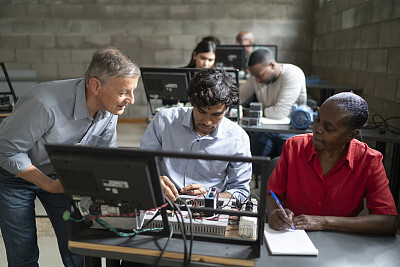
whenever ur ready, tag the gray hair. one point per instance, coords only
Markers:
(355, 107)
(111, 62)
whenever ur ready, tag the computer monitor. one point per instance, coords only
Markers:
(230, 57)
(6, 104)
(110, 174)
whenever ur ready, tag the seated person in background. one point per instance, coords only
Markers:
(203, 55)
(212, 39)
(202, 128)
(246, 38)
(323, 177)
(278, 87)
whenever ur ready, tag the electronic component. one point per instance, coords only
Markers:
(248, 225)
(211, 200)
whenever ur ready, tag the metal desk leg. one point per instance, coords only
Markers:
(92, 261)
(394, 181)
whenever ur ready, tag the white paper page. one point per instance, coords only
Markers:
(265, 120)
(289, 242)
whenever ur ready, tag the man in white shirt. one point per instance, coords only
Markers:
(278, 87)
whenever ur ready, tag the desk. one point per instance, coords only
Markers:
(328, 90)
(335, 249)
(367, 134)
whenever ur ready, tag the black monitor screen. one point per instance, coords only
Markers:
(110, 174)
(230, 57)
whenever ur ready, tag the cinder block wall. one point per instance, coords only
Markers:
(358, 43)
(57, 38)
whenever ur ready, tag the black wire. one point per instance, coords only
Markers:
(149, 221)
(183, 229)
(383, 124)
(166, 244)
(201, 193)
(191, 231)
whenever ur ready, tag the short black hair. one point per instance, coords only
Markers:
(210, 87)
(263, 56)
(355, 107)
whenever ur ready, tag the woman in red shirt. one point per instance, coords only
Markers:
(322, 178)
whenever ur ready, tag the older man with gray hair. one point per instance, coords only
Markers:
(75, 111)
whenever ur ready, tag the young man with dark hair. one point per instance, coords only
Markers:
(71, 111)
(202, 128)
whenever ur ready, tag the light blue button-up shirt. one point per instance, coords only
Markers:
(172, 130)
(53, 112)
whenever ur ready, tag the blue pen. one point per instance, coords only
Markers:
(280, 206)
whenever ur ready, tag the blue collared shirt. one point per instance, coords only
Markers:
(53, 112)
(172, 130)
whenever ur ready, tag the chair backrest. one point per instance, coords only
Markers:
(271, 166)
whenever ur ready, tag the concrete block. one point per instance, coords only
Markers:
(157, 42)
(377, 60)
(7, 54)
(97, 40)
(156, 12)
(303, 43)
(143, 57)
(354, 39)
(82, 55)
(57, 55)
(385, 87)
(18, 65)
(290, 28)
(391, 109)
(168, 27)
(349, 18)
(12, 11)
(237, 12)
(46, 70)
(398, 92)
(345, 59)
(181, 12)
(336, 22)
(205, 12)
(225, 28)
(359, 59)
(394, 59)
(83, 26)
(69, 41)
(56, 26)
(366, 81)
(269, 12)
(30, 26)
(369, 36)
(112, 26)
(140, 27)
(363, 14)
(389, 34)
(396, 9)
(13, 41)
(339, 40)
(381, 10)
(5, 26)
(71, 70)
(98, 12)
(69, 12)
(126, 42)
(298, 11)
(29, 55)
(126, 11)
(182, 41)
(42, 41)
(198, 27)
(169, 57)
(34, 11)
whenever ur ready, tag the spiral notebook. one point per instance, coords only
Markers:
(289, 242)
